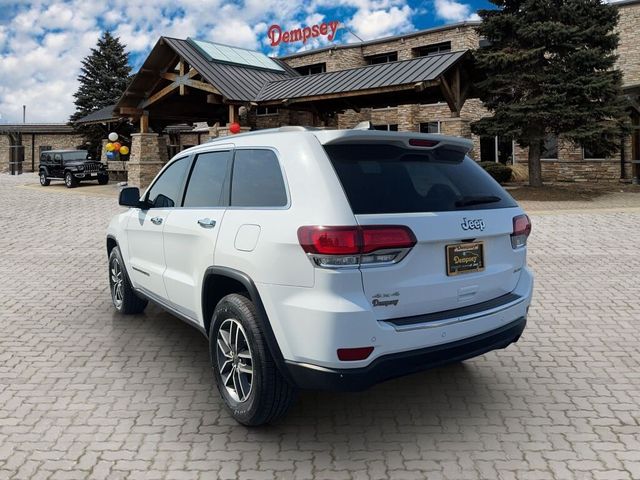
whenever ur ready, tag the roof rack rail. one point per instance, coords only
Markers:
(296, 128)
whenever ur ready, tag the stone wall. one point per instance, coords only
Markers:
(4, 153)
(57, 141)
(148, 156)
(462, 37)
(629, 48)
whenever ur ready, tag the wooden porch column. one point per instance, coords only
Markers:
(234, 114)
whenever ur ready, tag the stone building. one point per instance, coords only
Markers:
(26, 141)
(188, 91)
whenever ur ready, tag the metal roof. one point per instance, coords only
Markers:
(406, 72)
(102, 115)
(36, 128)
(235, 82)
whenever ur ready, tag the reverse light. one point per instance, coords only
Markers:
(353, 246)
(354, 354)
(521, 231)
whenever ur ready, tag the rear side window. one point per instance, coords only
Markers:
(207, 181)
(257, 180)
(379, 178)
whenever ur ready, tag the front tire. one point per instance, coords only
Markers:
(123, 296)
(253, 389)
(70, 181)
(44, 181)
(103, 179)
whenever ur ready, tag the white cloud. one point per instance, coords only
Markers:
(42, 43)
(453, 11)
(370, 24)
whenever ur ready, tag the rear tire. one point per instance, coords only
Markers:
(70, 181)
(44, 181)
(237, 346)
(123, 296)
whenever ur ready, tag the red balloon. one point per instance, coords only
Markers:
(234, 128)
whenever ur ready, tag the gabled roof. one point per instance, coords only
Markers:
(102, 115)
(406, 72)
(235, 82)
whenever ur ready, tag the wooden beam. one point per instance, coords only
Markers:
(133, 111)
(202, 86)
(181, 68)
(144, 122)
(159, 94)
(449, 96)
(214, 99)
(234, 113)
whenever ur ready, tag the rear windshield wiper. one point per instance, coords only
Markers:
(478, 200)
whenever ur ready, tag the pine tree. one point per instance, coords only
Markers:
(550, 69)
(104, 77)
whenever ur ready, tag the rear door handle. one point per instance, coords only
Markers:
(206, 223)
(156, 220)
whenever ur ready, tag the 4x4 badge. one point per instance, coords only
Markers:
(473, 224)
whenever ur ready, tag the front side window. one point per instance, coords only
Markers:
(165, 191)
(206, 187)
(257, 180)
(382, 178)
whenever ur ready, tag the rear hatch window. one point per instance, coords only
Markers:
(385, 178)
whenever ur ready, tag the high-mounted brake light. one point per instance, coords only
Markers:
(521, 231)
(419, 142)
(352, 246)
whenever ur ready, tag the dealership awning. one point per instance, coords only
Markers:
(193, 80)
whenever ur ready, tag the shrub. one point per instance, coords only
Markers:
(501, 173)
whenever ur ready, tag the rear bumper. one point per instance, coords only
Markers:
(398, 364)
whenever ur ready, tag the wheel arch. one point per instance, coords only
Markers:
(221, 281)
(111, 244)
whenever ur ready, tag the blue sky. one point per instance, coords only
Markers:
(43, 42)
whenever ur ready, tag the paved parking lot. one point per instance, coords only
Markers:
(85, 393)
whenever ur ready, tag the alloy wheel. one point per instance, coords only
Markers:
(117, 286)
(235, 362)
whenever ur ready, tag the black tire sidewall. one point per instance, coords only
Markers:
(245, 411)
(44, 181)
(115, 254)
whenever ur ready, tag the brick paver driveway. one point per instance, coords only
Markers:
(85, 393)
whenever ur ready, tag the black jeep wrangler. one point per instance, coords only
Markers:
(72, 166)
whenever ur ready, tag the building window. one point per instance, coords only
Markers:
(550, 147)
(430, 127)
(496, 149)
(263, 111)
(432, 49)
(382, 58)
(392, 127)
(593, 153)
(312, 69)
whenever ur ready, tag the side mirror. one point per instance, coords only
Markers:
(130, 197)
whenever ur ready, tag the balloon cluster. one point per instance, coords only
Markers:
(114, 147)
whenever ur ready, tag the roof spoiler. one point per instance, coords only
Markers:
(413, 140)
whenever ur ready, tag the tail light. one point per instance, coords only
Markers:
(353, 246)
(521, 231)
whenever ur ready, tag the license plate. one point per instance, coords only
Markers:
(465, 258)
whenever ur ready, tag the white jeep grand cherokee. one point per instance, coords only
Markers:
(325, 259)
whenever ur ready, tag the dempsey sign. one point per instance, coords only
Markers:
(277, 36)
